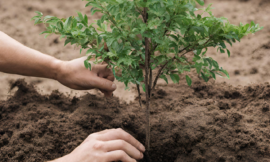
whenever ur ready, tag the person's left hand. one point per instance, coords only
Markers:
(74, 75)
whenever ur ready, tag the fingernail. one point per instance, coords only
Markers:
(142, 148)
(141, 155)
(113, 86)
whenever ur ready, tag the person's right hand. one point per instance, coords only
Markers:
(107, 146)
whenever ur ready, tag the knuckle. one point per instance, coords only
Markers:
(122, 154)
(98, 146)
(126, 136)
(94, 135)
(112, 130)
(123, 134)
(120, 130)
(122, 144)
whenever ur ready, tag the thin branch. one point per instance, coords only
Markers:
(160, 70)
(186, 53)
(136, 6)
(164, 65)
(150, 81)
(139, 94)
(159, 73)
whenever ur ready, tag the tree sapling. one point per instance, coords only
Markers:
(140, 37)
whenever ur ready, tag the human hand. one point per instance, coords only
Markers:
(107, 146)
(74, 75)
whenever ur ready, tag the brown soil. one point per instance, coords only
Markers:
(203, 123)
(249, 61)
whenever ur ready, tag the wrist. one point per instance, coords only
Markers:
(56, 68)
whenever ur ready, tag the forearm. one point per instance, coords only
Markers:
(16, 58)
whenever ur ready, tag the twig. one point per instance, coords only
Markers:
(136, 6)
(139, 93)
(158, 74)
(150, 81)
(164, 65)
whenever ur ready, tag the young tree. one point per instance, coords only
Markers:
(137, 37)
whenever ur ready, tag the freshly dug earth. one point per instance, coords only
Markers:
(205, 122)
(249, 61)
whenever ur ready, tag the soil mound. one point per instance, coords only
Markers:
(205, 122)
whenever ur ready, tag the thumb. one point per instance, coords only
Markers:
(104, 84)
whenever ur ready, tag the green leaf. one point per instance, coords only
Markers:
(205, 51)
(143, 86)
(62, 36)
(39, 13)
(116, 77)
(85, 20)
(213, 75)
(222, 50)
(94, 4)
(68, 22)
(164, 77)
(222, 44)
(60, 25)
(47, 17)
(37, 21)
(205, 78)
(94, 11)
(201, 42)
(215, 64)
(91, 50)
(88, 4)
(174, 37)
(80, 16)
(86, 64)
(189, 81)
(110, 41)
(45, 32)
(229, 53)
(67, 41)
(175, 78)
(225, 72)
(74, 23)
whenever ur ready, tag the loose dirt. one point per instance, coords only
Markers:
(204, 122)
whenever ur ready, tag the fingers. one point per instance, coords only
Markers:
(105, 72)
(110, 77)
(118, 155)
(103, 84)
(119, 134)
(123, 145)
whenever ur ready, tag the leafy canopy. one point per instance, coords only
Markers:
(173, 28)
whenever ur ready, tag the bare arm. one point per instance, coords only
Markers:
(16, 58)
